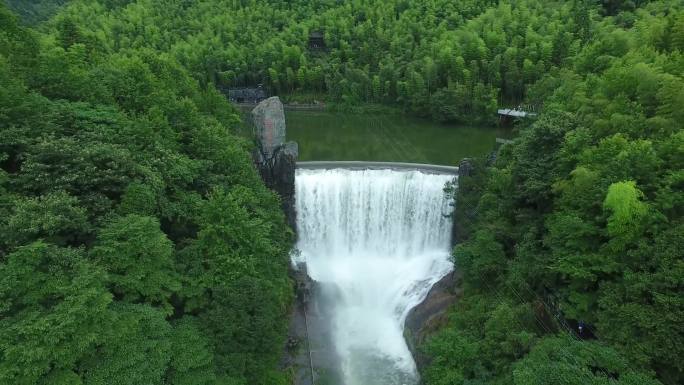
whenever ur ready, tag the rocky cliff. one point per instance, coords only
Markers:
(275, 159)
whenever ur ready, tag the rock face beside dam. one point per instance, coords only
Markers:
(275, 158)
(431, 314)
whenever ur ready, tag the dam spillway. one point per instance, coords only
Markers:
(363, 165)
(374, 241)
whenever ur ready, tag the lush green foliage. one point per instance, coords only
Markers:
(452, 60)
(137, 243)
(35, 11)
(580, 221)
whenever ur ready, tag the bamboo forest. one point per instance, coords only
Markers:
(470, 192)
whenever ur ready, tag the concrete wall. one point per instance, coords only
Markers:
(361, 165)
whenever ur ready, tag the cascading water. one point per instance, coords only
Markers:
(376, 241)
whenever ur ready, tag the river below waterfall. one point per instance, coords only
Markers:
(374, 241)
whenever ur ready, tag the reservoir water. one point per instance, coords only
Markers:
(387, 138)
(374, 241)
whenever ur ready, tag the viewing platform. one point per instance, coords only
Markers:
(508, 115)
(515, 113)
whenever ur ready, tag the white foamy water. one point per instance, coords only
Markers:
(380, 239)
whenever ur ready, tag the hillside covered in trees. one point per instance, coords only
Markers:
(34, 12)
(579, 223)
(138, 245)
(452, 60)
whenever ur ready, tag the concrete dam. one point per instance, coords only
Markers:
(362, 165)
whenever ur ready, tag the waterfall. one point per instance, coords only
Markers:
(377, 240)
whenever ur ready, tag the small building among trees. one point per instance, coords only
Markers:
(247, 95)
(317, 40)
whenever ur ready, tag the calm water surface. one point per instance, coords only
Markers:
(390, 138)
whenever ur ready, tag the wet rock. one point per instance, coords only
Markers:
(431, 314)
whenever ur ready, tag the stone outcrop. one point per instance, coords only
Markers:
(275, 158)
(465, 167)
(431, 314)
(269, 125)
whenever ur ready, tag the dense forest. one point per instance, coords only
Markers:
(453, 61)
(579, 223)
(33, 12)
(137, 243)
(139, 246)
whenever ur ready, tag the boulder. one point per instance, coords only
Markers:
(431, 314)
(269, 125)
(275, 159)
